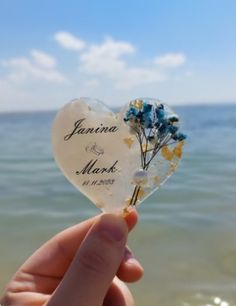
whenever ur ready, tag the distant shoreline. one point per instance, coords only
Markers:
(117, 108)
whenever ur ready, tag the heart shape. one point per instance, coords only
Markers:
(101, 154)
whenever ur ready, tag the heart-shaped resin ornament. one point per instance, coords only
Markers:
(117, 159)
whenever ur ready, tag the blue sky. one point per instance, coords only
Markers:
(181, 51)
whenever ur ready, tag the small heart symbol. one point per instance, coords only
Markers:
(101, 153)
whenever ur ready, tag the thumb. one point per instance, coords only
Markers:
(95, 265)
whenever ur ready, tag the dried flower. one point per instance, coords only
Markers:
(156, 127)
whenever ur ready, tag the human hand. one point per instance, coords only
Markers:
(78, 267)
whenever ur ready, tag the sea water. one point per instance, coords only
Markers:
(186, 235)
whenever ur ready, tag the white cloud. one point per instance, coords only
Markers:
(109, 60)
(69, 41)
(171, 60)
(110, 70)
(134, 77)
(42, 59)
(40, 66)
(106, 60)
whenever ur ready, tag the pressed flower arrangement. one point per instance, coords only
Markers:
(156, 128)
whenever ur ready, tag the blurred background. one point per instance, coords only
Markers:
(182, 52)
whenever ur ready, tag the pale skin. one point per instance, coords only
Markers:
(85, 265)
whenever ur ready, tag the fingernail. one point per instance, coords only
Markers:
(113, 227)
(127, 211)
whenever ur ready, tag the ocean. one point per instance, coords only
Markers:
(186, 235)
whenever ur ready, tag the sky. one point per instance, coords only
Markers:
(180, 51)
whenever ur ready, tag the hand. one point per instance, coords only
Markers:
(78, 267)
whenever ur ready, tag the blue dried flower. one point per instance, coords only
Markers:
(173, 129)
(173, 118)
(160, 114)
(179, 136)
(145, 115)
(157, 124)
(131, 114)
(147, 108)
(147, 120)
(148, 123)
(163, 129)
(182, 136)
(153, 116)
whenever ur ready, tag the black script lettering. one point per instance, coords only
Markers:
(87, 168)
(85, 183)
(113, 129)
(104, 129)
(91, 169)
(97, 130)
(113, 169)
(75, 131)
(79, 129)
(90, 130)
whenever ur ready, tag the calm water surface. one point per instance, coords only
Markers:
(186, 237)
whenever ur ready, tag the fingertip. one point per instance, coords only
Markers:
(131, 218)
(130, 269)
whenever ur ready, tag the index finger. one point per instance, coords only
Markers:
(55, 256)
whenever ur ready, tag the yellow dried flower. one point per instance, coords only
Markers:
(128, 141)
(178, 150)
(167, 153)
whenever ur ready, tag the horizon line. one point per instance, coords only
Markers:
(183, 104)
